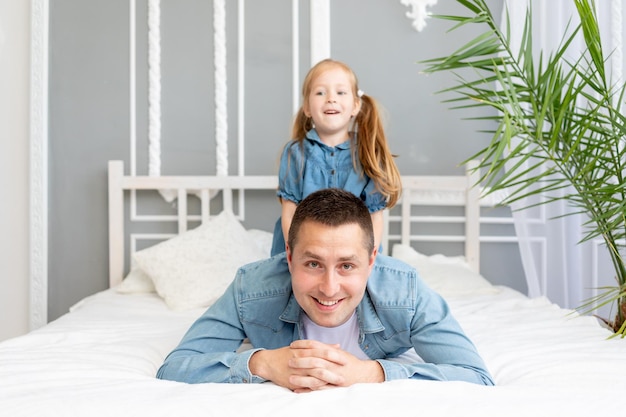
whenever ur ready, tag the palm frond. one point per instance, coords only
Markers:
(559, 133)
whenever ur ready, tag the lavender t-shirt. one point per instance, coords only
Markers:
(346, 335)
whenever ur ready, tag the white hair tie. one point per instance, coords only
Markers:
(360, 93)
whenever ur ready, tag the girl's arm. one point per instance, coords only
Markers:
(378, 223)
(288, 208)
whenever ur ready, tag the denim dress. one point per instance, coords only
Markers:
(320, 166)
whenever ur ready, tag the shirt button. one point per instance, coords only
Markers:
(332, 154)
(332, 172)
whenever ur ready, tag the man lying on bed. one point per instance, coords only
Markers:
(328, 312)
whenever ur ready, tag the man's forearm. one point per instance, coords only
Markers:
(223, 367)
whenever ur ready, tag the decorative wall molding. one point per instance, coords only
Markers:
(418, 12)
(241, 96)
(295, 56)
(154, 88)
(39, 165)
(221, 87)
(320, 30)
(617, 60)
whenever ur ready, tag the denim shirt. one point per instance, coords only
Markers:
(398, 312)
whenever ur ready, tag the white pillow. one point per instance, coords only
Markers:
(263, 239)
(136, 281)
(449, 276)
(193, 269)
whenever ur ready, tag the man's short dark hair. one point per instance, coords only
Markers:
(333, 207)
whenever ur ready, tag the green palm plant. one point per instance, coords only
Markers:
(559, 131)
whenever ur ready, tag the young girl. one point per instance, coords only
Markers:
(339, 141)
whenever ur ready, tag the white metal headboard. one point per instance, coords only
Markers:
(436, 191)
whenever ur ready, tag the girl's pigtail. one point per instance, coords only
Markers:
(373, 151)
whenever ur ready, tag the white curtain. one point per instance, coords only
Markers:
(555, 263)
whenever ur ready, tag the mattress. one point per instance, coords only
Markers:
(100, 359)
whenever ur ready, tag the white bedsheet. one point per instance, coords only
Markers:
(100, 360)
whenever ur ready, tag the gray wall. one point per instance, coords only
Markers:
(89, 109)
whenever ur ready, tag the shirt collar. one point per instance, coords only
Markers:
(314, 137)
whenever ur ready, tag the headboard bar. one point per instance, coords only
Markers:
(116, 222)
(254, 182)
(182, 210)
(205, 205)
(472, 216)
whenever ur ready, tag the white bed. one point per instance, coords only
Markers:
(100, 359)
